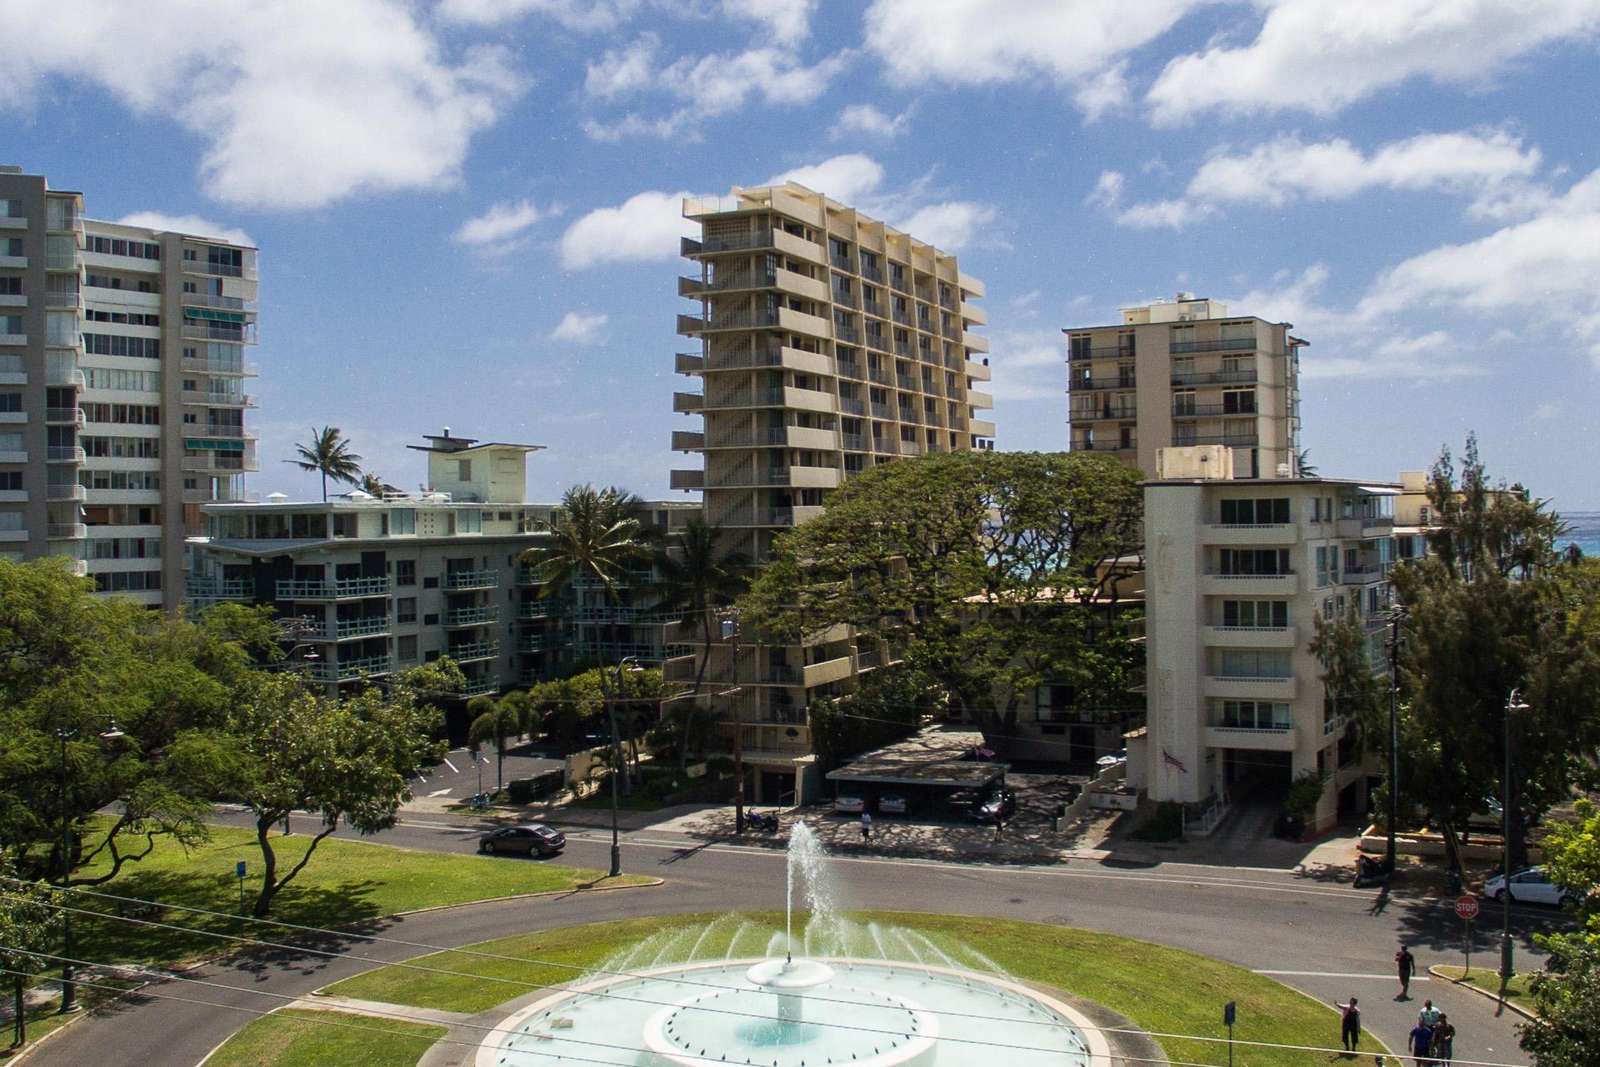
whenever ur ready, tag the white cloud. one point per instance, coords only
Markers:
(501, 222)
(1107, 191)
(1029, 365)
(1547, 411)
(623, 70)
(582, 15)
(1322, 55)
(1075, 45)
(298, 105)
(870, 121)
(787, 20)
(643, 229)
(1544, 268)
(949, 226)
(580, 327)
(846, 178)
(1492, 165)
(190, 224)
(1102, 93)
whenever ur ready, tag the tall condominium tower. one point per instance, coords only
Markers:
(829, 343)
(1184, 372)
(121, 371)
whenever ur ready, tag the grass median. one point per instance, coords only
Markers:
(1517, 991)
(1163, 990)
(318, 1038)
(346, 884)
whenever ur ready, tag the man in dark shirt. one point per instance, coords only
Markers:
(1421, 1041)
(1404, 964)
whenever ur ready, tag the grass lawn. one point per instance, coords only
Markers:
(310, 1039)
(346, 882)
(1161, 989)
(1487, 978)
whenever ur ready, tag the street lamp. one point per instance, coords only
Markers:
(69, 990)
(1514, 703)
(730, 632)
(1396, 617)
(616, 762)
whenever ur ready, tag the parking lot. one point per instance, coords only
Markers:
(457, 777)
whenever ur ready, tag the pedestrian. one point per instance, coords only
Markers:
(866, 826)
(1444, 1039)
(1405, 964)
(1429, 1015)
(1420, 1041)
(1349, 1025)
(999, 824)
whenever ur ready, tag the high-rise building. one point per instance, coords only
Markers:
(1184, 373)
(830, 343)
(121, 373)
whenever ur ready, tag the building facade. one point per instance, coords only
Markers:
(1238, 570)
(122, 363)
(1185, 373)
(829, 343)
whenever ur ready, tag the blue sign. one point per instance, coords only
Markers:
(1228, 1014)
(238, 870)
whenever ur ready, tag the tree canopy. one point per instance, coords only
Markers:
(1566, 994)
(328, 453)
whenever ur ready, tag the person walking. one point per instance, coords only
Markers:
(1429, 1015)
(1405, 964)
(1444, 1040)
(1420, 1041)
(866, 826)
(1349, 1025)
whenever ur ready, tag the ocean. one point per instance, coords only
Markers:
(1583, 531)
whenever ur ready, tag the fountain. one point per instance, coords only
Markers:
(848, 1002)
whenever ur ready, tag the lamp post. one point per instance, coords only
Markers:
(1514, 703)
(1396, 616)
(616, 764)
(730, 632)
(69, 990)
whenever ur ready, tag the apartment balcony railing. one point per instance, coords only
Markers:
(850, 369)
(687, 402)
(473, 651)
(244, 335)
(64, 417)
(852, 405)
(1361, 575)
(242, 368)
(875, 308)
(1123, 411)
(219, 270)
(1273, 576)
(64, 260)
(846, 335)
(877, 342)
(212, 300)
(1232, 440)
(64, 454)
(480, 687)
(901, 316)
(473, 616)
(529, 576)
(350, 629)
(733, 242)
(854, 442)
(64, 301)
(1216, 377)
(461, 581)
(67, 531)
(722, 281)
(535, 643)
(1226, 344)
(871, 273)
(203, 588)
(531, 610)
(68, 377)
(62, 492)
(1075, 355)
(216, 429)
(1205, 411)
(1119, 382)
(350, 670)
(340, 589)
(898, 282)
(216, 399)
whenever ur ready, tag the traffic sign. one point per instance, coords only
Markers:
(1467, 907)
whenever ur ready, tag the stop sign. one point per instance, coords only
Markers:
(1467, 907)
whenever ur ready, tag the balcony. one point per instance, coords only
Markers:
(1250, 636)
(200, 588)
(241, 368)
(67, 531)
(221, 270)
(1248, 584)
(1225, 344)
(688, 363)
(531, 610)
(1269, 533)
(687, 403)
(1231, 440)
(64, 417)
(353, 629)
(480, 687)
(1079, 385)
(64, 301)
(1207, 411)
(350, 670)
(985, 402)
(1365, 574)
(688, 441)
(535, 643)
(974, 342)
(832, 670)
(70, 377)
(1249, 687)
(474, 651)
(527, 576)
(1255, 738)
(462, 581)
(213, 300)
(973, 315)
(62, 492)
(216, 399)
(245, 334)
(64, 454)
(688, 480)
(342, 589)
(1078, 355)
(479, 615)
(1216, 377)
(70, 261)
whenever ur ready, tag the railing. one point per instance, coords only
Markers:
(1253, 678)
(735, 242)
(850, 369)
(367, 626)
(65, 377)
(1198, 411)
(874, 308)
(63, 300)
(1251, 629)
(65, 454)
(843, 262)
(219, 399)
(535, 609)
(1226, 344)
(872, 274)
(480, 687)
(851, 405)
(67, 531)
(470, 651)
(201, 588)
(1235, 440)
(343, 588)
(1103, 352)
(876, 342)
(846, 334)
(243, 368)
(1217, 377)
(458, 581)
(62, 491)
(220, 333)
(902, 317)
(214, 429)
(741, 279)
(1250, 577)
(1107, 383)
(212, 300)
(63, 415)
(477, 616)
(350, 670)
(1122, 412)
(853, 442)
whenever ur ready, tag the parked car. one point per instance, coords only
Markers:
(1487, 817)
(1000, 803)
(531, 839)
(891, 804)
(1115, 759)
(849, 803)
(1529, 886)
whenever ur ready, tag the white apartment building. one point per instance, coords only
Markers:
(1237, 570)
(121, 387)
(830, 343)
(1186, 373)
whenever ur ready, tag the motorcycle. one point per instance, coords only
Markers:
(1370, 872)
(766, 823)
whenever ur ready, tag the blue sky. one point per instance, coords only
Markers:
(468, 213)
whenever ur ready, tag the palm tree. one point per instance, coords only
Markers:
(1302, 460)
(328, 453)
(497, 721)
(373, 485)
(595, 535)
(697, 578)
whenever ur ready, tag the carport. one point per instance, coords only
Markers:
(926, 769)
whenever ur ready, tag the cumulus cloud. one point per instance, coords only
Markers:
(846, 178)
(870, 121)
(950, 225)
(580, 327)
(297, 105)
(190, 224)
(501, 222)
(582, 15)
(1029, 365)
(1491, 165)
(644, 228)
(1077, 46)
(787, 20)
(857, 180)
(1322, 55)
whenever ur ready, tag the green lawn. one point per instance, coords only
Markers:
(346, 882)
(1161, 989)
(1488, 979)
(319, 1038)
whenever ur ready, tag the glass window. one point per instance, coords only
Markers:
(403, 521)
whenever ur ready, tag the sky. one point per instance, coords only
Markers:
(468, 210)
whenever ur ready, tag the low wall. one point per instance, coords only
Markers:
(1431, 844)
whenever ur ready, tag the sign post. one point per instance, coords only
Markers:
(1467, 909)
(1229, 1013)
(238, 872)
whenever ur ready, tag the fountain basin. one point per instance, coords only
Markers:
(866, 1013)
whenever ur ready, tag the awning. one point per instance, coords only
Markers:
(1379, 490)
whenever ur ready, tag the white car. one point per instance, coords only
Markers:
(847, 803)
(1529, 886)
(891, 804)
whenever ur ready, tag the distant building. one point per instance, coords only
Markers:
(122, 368)
(1237, 571)
(1186, 373)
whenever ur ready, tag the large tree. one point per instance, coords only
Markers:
(28, 929)
(990, 573)
(328, 453)
(497, 723)
(1566, 994)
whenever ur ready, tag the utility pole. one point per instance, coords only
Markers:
(1396, 615)
(730, 631)
(1513, 703)
(69, 991)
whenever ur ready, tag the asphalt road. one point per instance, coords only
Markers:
(1323, 938)
(459, 776)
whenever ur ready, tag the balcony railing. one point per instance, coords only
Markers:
(1202, 411)
(347, 629)
(341, 589)
(733, 242)
(1233, 440)
(480, 687)
(1075, 355)
(1250, 577)
(535, 609)
(474, 616)
(67, 531)
(203, 588)
(461, 581)
(350, 670)
(1216, 377)
(65, 454)
(66, 491)
(1080, 384)
(72, 416)
(245, 335)
(212, 300)
(471, 651)
(1226, 344)
(243, 368)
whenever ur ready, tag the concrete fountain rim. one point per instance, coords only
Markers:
(1099, 1048)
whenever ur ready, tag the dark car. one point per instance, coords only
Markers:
(533, 839)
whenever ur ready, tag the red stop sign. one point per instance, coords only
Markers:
(1467, 907)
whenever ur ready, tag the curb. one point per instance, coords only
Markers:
(1459, 984)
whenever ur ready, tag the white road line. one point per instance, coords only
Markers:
(439, 793)
(452, 766)
(1334, 974)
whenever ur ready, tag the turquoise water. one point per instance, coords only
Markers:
(1584, 531)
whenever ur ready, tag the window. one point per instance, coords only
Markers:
(10, 401)
(1322, 565)
(1256, 614)
(1239, 401)
(11, 520)
(127, 581)
(431, 620)
(1255, 511)
(405, 572)
(10, 481)
(406, 648)
(430, 583)
(464, 470)
(10, 325)
(11, 286)
(10, 246)
(1266, 561)
(403, 521)
(1183, 402)
(1255, 715)
(1254, 663)
(470, 521)
(405, 609)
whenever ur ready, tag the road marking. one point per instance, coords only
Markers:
(439, 793)
(452, 766)
(1334, 974)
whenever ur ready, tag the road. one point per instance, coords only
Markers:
(1321, 937)
(460, 776)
